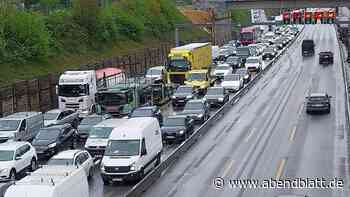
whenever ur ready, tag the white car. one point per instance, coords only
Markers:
(16, 157)
(254, 64)
(79, 158)
(155, 74)
(233, 82)
(222, 69)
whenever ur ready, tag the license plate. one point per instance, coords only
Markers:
(117, 179)
(318, 105)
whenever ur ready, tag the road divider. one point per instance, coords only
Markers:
(151, 177)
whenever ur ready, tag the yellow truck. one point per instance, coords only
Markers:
(200, 80)
(181, 60)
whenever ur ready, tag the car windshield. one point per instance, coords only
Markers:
(73, 90)
(174, 121)
(196, 77)
(154, 72)
(91, 120)
(6, 155)
(232, 77)
(142, 113)
(48, 134)
(232, 59)
(215, 91)
(51, 116)
(60, 162)
(111, 99)
(123, 148)
(183, 89)
(100, 132)
(193, 106)
(253, 60)
(9, 125)
(222, 68)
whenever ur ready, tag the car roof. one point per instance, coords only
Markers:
(216, 87)
(176, 116)
(113, 122)
(153, 107)
(253, 57)
(11, 145)
(317, 94)
(57, 110)
(131, 129)
(224, 64)
(21, 115)
(56, 126)
(185, 86)
(156, 68)
(196, 101)
(199, 71)
(67, 154)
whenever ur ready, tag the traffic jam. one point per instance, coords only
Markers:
(122, 127)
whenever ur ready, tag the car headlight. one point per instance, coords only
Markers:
(200, 115)
(221, 99)
(173, 97)
(189, 96)
(181, 132)
(133, 167)
(102, 167)
(52, 145)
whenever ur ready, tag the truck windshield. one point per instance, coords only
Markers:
(179, 64)
(111, 99)
(123, 148)
(100, 132)
(196, 77)
(9, 125)
(73, 90)
(6, 155)
(247, 36)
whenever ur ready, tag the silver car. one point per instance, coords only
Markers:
(58, 116)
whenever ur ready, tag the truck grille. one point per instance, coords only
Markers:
(72, 105)
(177, 78)
(117, 169)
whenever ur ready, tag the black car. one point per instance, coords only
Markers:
(197, 109)
(269, 53)
(318, 102)
(149, 111)
(51, 140)
(177, 128)
(234, 61)
(88, 122)
(307, 48)
(244, 73)
(216, 96)
(183, 94)
(326, 57)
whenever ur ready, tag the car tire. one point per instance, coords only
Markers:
(12, 175)
(106, 181)
(158, 160)
(33, 165)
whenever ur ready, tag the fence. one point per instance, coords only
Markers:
(40, 94)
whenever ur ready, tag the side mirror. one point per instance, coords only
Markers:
(143, 152)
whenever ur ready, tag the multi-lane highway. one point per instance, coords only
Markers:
(268, 134)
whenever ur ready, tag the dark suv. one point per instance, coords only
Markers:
(318, 102)
(326, 57)
(308, 48)
(177, 128)
(50, 140)
(197, 109)
(183, 94)
(149, 111)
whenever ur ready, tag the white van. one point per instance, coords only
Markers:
(21, 126)
(133, 149)
(52, 181)
(99, 134)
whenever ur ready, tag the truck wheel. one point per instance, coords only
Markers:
(33, 165)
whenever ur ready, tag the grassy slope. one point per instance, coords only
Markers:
(11, 72)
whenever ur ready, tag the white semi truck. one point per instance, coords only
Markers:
(76, 89)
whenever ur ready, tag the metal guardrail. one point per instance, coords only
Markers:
(150, 178)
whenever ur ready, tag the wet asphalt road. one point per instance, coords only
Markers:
(268, 135)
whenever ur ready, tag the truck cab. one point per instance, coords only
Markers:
(200, 80)
(76, 90)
